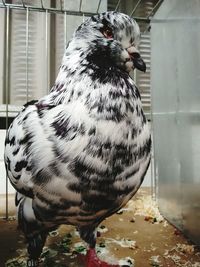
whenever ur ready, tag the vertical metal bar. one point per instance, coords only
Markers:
(152, 175)
(23, 3)
(27, 42)
(65, 29)
(136, 6)
(117, 6)
(41, 1)
(155, 177)
(80, 5)
(154, 183)
(99, 4)
(7, 86)
(47, 50)
(154, 8)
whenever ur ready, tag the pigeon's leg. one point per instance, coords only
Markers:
(89, 236)
(87, 233)
(33, 231)
(35, 246)
(92, 260)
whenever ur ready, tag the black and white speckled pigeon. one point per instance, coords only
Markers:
(77, 155)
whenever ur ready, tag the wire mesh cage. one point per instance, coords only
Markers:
(34, 35)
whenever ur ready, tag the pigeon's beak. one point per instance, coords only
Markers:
(138, 62)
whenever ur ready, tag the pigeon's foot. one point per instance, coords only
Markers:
(93, 261)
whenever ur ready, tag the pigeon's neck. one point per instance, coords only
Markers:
(107, 91)
(86, 57)
(73, 65)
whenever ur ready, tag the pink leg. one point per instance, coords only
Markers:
(93, 261)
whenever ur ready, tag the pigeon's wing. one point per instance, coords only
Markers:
(16, 150)
(40, 144)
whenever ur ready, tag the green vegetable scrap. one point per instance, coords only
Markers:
(65, 244)
(80, 249)
(16, 262)
(49, 253)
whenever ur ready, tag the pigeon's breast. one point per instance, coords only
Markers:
(100, 174)
(114, 160)
(101, 179)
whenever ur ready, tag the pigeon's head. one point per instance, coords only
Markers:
(112, 39)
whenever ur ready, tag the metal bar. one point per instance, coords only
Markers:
(27, 41)
(23, 3)
(154, 183)
(99, 4)
(153, 172)
(147, 29)
(152, 195)
(65, 30)
(41, 1)
(117, 6)
(68, 12)
(3, 2)
(47, 50)
(170, 20)
(80, 5)
(142, 19)
(154, 8)
(7, 86)
(136, 6)
(49, 10)
(61, 8)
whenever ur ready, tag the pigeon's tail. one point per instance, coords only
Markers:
(34, 232)
(26, 216)
(25, 211)
(18, 198)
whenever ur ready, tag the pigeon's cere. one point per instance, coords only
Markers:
(81, 152)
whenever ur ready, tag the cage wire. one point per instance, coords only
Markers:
(141, 10)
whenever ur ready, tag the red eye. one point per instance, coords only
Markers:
(108, 33)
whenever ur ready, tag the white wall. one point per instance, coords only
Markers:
(175, 68)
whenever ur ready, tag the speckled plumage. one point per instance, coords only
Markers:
(80, 153)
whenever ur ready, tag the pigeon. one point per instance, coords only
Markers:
(80, 153)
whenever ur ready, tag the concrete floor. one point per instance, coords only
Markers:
(138, 236)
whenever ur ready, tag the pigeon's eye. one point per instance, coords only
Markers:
(107, 33)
